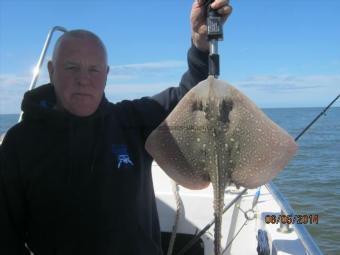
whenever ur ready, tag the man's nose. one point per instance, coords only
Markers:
(83, 77)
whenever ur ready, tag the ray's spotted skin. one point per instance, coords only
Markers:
(216, 134)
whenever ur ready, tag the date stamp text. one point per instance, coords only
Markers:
(292, 219)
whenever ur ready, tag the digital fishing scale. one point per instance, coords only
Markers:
(215, 34)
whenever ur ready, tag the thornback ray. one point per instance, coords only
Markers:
(217, 134)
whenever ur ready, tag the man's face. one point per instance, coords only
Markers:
(78, 72)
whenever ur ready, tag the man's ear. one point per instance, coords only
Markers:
(50, 68)
(107, 72)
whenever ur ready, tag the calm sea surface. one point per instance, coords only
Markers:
(311, 181)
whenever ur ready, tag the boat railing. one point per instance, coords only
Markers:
(37, 69)
(306, 239)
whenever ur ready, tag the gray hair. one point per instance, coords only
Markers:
(81, 34)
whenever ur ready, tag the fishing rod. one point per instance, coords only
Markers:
(212, 222)
(323, 112)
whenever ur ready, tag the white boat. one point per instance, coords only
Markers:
(248, 212)
(244, 227)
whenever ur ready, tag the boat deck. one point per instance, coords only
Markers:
(198, 212)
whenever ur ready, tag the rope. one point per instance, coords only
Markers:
(179, 207)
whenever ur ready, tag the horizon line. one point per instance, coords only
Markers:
(264, 108)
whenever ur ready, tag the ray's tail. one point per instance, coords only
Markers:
(218, 210)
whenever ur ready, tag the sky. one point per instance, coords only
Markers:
(278, 53)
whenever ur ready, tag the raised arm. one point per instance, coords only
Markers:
(197, 55)
(149, 112)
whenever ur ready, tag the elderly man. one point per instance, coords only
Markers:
(75, 178)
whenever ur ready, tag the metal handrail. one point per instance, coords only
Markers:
(37, 69)
(306, 239)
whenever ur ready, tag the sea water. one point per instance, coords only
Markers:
(311, 181)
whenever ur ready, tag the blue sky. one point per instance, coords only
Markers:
(279, 53)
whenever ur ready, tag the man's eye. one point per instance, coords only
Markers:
(72, 68)
(94, 70)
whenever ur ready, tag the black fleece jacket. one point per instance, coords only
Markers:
(82, 185)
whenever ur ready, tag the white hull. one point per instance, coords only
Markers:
(198, 212)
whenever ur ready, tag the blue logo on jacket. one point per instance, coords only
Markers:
(120, 151)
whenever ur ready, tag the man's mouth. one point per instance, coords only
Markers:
(82, 94)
